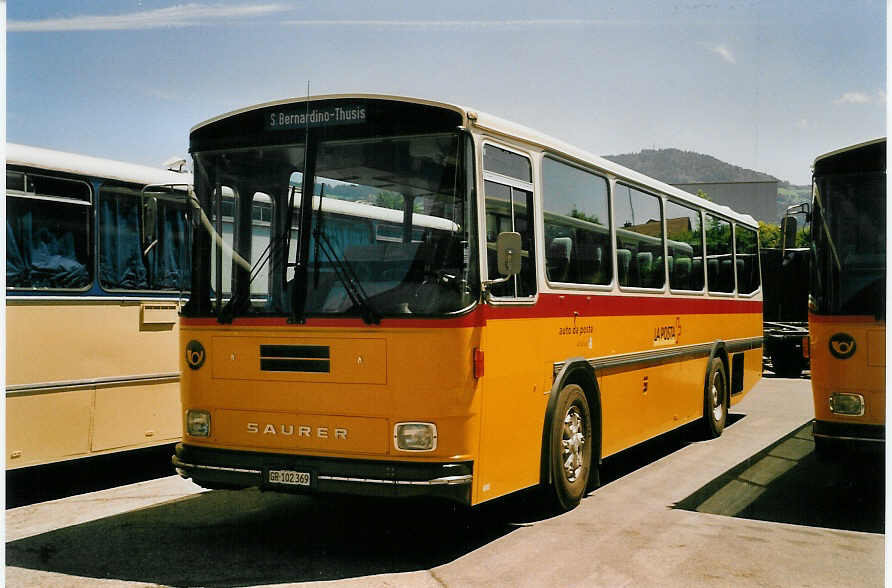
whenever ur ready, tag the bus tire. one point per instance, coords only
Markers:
(715, 399)
(570, 448)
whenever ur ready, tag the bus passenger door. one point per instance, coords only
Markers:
(513, 400)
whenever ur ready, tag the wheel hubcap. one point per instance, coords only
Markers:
(573, 443)
(717, 396)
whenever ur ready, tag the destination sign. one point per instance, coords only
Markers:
(282, 120)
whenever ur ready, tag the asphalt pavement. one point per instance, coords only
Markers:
(752, 508)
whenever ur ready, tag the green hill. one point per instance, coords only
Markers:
(675, 166)
(790, 195)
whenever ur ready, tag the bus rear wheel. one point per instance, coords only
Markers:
(570, 448)
(715, 399)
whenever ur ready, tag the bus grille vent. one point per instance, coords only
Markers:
(295, 358)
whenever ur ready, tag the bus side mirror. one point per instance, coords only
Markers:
(148, 228)
(508, 247)
(789, 227)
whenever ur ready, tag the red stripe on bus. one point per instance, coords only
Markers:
(547, 306)
(561, 305)
(472, 319)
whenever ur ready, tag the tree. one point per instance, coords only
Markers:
(803, 237)
(769, 235)
(388, 200)
(576, 213)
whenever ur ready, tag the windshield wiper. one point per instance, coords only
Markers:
(236, 304)
(343, 270)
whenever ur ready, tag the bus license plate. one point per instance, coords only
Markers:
(289, 477)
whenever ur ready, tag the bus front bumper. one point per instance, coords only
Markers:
(221, 468)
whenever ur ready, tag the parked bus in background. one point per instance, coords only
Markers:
(91, 310)
(533, 309)
(785, 309)
(847, 302)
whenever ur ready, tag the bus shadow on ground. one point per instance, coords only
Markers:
(239, 538)
(787, 483)
(627, 461)
(58, 480)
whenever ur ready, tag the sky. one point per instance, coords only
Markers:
(766, 85)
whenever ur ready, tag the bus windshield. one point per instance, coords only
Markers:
(849, 242)
(391, 231)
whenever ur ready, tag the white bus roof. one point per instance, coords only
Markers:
(85, 165)
(510, 129)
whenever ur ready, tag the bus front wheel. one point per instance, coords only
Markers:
(570, 448)
(715, 401)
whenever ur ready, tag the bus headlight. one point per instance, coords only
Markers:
(415, 436)
(847, 404)
(198, 423)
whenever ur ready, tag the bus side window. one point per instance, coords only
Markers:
(577, 229)
(509, 207)
(170, 268)
(639, 220)
(47, 233)
(685, 234)
(719, 252)
(123, 265)
(747, 251)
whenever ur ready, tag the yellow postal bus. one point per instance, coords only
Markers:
(464, 308)
(91, 311)
(847, 303)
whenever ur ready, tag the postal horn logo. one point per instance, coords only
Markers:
(842, 346)
(194, 354)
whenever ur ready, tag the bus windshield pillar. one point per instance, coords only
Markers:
(302, 256)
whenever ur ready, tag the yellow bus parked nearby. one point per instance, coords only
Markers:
(847, 302)
(91, 311)
(466, 307)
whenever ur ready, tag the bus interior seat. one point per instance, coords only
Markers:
(644, 266)
(712, 273)
(602, 270)
(697, 274)
(623, 261)
(588, 261)
(558, 258)
(681, 276)
(658, 273)
(599, 270)
(726, 277)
